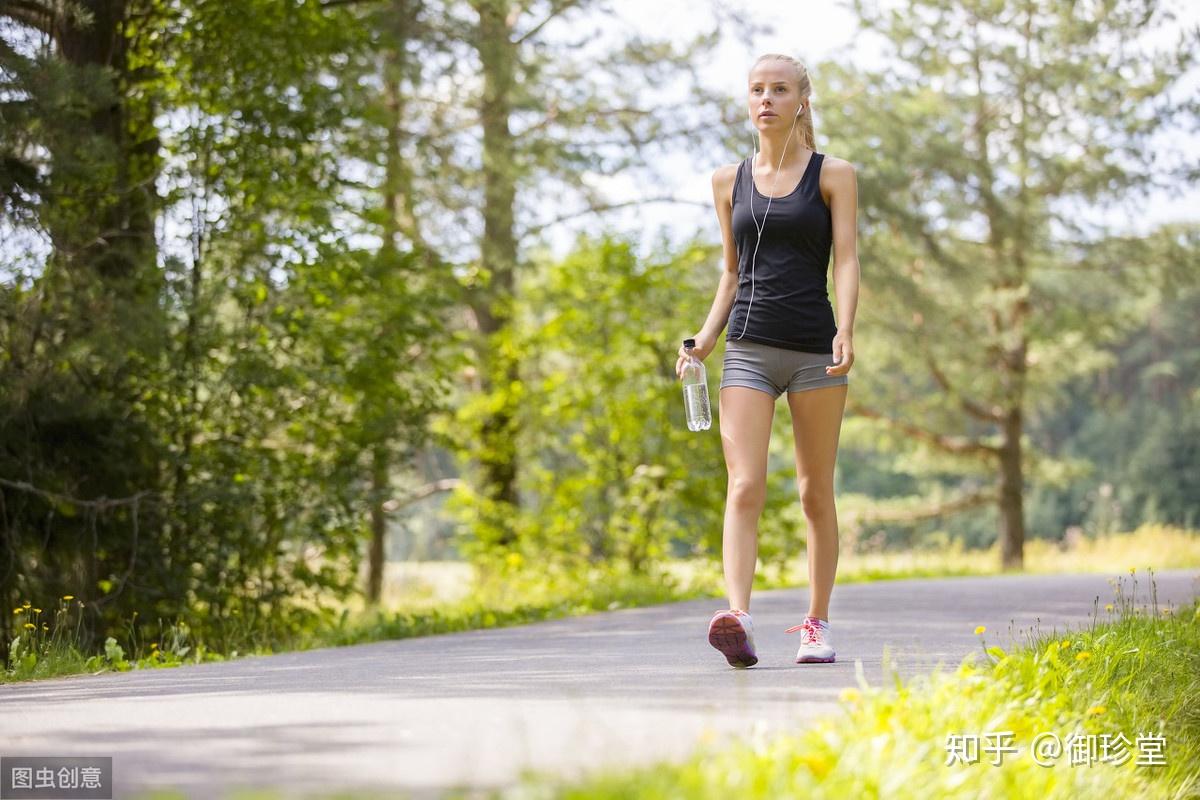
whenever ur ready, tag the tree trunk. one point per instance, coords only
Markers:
(107, 225)
(1012, 511)
(498, 257)
(396, 191)
(379, 495)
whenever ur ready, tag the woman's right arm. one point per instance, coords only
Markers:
(718, 316)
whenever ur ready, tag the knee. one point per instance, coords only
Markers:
(747, 493)
(816, 499)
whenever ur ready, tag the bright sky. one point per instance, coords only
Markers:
(811, 30)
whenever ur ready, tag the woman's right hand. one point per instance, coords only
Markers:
(703, 347)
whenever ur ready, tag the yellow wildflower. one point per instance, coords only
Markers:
(68, 597)
(980, 629)
(1166, 611)
(27, 604)
(1097, 709)
(1082, 655)
(1108, 607)
(818, 764)
(29, 625)
(37, 611)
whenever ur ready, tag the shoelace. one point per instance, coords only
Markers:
(811, 632)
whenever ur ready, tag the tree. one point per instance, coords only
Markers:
(613, 476)
(224, 473)
(78, 165)
(550, 110)
(995, 122)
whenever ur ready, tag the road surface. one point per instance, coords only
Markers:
(417, 717)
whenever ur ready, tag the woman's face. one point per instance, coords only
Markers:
(773, 99)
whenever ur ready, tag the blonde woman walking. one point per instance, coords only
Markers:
(782, 212)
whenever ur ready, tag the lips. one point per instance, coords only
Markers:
(767, 114)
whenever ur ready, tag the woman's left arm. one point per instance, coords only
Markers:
(843, 206)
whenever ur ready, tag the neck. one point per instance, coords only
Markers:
(779, 145)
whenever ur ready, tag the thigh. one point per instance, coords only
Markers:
(745, 417)
(816, 428)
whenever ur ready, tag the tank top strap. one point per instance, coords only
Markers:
(739, 181)
(812, 174)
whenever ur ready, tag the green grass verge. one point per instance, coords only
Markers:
(1131, 673)
(47, 645)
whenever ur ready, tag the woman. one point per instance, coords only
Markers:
(782, 338)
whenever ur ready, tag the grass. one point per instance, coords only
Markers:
(1134, 672)
(47, 645)
(444, 598)
(1147, 547)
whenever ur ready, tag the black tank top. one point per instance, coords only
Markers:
(790, 305)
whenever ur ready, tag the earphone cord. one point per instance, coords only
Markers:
(758, 227)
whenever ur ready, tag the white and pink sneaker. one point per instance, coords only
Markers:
(815, 644)
(732, 632)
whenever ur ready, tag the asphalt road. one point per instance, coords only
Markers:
(419, 716)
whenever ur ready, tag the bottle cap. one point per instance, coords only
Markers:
(689, 342)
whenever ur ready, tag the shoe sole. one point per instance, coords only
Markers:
(727, 635)
(815, 660)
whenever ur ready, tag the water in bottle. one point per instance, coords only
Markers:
(695, 391)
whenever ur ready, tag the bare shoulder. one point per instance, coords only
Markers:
(837, 168)
(722, 181)
(837, 177)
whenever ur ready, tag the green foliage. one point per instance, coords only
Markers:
(235, 406)
(609, 470)
(54, 645)
(1135, 426)
(986, 295)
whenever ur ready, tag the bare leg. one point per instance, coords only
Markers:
(816, 427)
(745, 415)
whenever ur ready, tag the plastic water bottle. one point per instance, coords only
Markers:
(695, 391)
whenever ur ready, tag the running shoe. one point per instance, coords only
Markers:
(732, 632)
(815, 644)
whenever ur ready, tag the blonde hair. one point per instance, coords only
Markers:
(804, 89)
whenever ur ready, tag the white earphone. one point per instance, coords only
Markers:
(757, 227)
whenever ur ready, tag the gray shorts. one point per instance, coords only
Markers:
(776, 370)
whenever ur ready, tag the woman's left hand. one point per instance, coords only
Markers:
(843, 354)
